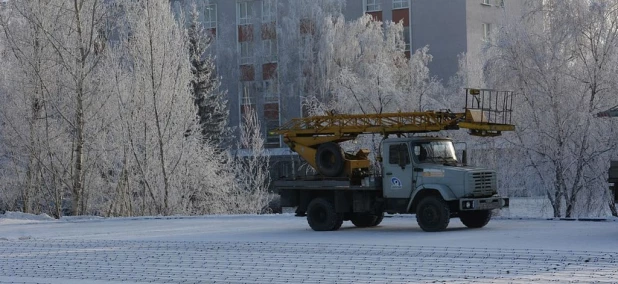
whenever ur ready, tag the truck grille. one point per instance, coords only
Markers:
(483, 183)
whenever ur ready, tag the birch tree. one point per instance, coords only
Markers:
(168, 165)
(19, 135)
(55, 44)
(561, 59)
(159, 116)
(252, 163)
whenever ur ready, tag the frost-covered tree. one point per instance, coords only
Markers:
(251, 165)
(561, 59)
(57, 46)
(20, 143)
(210, 100)
(158, 111)
(352, 66)
(162, 164)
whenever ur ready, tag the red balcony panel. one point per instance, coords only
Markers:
(377, 16)
(271, 111)
(269, 31)
(402, 15)
(245, 33)
(307, 26)
(247, 73)
(212, 32)
(269, 71)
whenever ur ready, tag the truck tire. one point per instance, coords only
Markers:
(329, 159)
(433, 214)
(475, 219)
(321, 215)
(378, 220)
(363, 220)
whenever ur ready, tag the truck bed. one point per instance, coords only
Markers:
(311, 183)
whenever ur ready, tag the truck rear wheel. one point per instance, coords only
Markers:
(433, 214)
(329, 159)
(475, 219)
(379, 219)
(363, 220)
(321, 215)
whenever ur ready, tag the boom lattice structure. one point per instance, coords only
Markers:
(487, 113)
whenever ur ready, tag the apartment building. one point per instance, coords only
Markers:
(242, 27)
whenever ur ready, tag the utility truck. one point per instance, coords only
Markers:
(419, 174)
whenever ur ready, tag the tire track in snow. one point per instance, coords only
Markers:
(104, 261)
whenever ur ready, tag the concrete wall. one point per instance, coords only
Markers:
(440, 24)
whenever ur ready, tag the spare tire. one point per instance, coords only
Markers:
(329, 159)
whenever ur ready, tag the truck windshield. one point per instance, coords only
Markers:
(439, 152)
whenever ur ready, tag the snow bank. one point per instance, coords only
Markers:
(10, 217)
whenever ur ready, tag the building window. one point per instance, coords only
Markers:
(210, 16)
(269, 11)
(486, 2)
(246, 52)
(306, 42)
(271, 117)
(500, 3)
(244, 13)
(246, 99)
(486, 31)
(270, 50)
(373, 5)
(271, 90)
(246, 94)
(399, 4)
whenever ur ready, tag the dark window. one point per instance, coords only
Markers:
(397, 153)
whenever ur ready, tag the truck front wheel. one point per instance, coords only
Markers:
(433, 214)
(322, 216)
(475, 219)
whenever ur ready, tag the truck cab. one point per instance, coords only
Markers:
(416, 170)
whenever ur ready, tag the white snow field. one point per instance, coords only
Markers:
(283, 249)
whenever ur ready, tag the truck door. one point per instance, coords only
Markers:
(397, 182)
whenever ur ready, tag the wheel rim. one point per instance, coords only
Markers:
(319, 214)
(430, 214)
(329, 158)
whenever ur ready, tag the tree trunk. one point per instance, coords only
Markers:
(158, 121)
(612, 208)
(556, 202)
(79, 157)
(612, 201)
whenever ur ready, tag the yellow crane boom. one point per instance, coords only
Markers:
(306, 135)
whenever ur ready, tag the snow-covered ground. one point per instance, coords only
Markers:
(283, 249)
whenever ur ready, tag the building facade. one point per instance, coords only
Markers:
(248, 47)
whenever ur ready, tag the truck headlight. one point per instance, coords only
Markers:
(468, 205)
